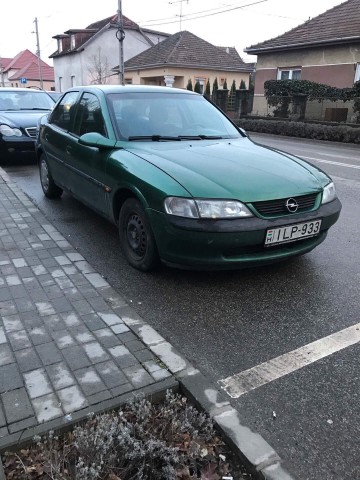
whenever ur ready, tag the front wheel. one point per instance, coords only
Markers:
(136, 237)
(50, 189)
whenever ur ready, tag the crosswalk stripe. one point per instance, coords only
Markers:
(243, 382)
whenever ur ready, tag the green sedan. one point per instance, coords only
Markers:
(183, 183)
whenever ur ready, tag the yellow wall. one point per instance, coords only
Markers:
(182, 75)
(309, 57)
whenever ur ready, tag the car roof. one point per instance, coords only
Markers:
(107, 89)
(15, 89)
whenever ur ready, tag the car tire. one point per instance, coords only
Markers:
(136, 237)
(50, 189)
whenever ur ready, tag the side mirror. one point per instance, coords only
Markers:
(94, 139)
(242, 131)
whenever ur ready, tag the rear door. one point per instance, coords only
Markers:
(56, 136)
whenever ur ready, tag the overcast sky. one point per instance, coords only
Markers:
(242, 23)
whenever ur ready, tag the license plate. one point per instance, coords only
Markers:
(291, 233)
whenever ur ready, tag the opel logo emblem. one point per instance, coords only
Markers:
(292, 205)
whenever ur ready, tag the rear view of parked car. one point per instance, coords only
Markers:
(20, 110)
(183, 184)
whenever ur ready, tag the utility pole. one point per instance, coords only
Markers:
(38, 52)
(120, 35)
(1, 74)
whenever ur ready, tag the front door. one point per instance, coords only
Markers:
(88, 164)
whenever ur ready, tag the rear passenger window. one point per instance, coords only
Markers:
(62, 115)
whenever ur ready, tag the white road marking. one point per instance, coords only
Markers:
(337, 155)
(331, 162)
(266, 372)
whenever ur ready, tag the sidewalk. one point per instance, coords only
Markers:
(70, 344)
(67, 340)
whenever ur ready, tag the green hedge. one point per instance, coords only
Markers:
(334, 133)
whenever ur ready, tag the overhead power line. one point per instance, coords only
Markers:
(151, 20)
(199, 14)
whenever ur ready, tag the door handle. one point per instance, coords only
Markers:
(68, 150)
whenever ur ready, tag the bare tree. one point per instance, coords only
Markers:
(99, 69)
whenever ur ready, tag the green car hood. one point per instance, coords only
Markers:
(237, 169)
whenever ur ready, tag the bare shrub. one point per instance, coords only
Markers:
(167, 441)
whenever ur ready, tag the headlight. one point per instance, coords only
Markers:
(7, 131)
(200, 208)
(329, 193)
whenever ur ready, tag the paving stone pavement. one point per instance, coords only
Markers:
(70, 344)
(68, 340)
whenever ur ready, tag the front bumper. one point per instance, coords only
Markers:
(226, 244)
(16, 147)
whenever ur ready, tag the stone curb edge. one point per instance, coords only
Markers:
(258, 456)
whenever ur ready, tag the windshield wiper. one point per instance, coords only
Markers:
(161, 138)
(154, 138)
(200, 137)
(211, 137)
(36, 108)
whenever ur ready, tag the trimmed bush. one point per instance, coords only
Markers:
(215, 88)
(207, 89)
(197, 87)
(333, 133)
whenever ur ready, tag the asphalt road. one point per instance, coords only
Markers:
(226, 323)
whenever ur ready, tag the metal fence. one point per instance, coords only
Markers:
(319, 109)
(235, 103)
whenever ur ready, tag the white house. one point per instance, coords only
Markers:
(87, 56)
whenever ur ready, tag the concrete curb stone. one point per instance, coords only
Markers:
(259, 457)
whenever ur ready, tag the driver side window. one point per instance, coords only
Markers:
(88, 116)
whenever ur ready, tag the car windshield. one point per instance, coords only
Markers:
(167, 116)
(55, 95)
(25, 100)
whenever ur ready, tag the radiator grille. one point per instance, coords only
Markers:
(31, 131)
(278, 207)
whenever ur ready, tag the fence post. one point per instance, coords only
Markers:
(299, 106)
(241, 102)
(221, 99)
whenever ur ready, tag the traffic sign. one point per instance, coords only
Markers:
(23, 80)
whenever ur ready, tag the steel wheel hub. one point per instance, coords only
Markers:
(44, 173)
(136, 235)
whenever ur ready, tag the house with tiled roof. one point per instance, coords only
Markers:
(325, 49)
(4, 62)
(26, 70)
(183, 57)
(87, 56)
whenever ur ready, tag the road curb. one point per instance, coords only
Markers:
(257, 455)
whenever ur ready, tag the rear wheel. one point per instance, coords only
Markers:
(136, 237)
(50, 189)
